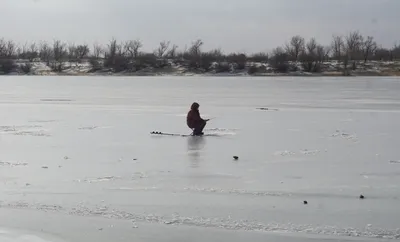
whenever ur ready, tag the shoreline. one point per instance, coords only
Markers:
(155, 74)
(251, 69)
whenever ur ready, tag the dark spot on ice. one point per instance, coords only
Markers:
(305, 202)
(362, 197)
(100, 229)
(135, 159)
(236, 157)
(394, 161)
(268, 109)
(45, 167)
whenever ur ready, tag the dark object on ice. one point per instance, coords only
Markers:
(268, 109)
(135, 159)
(362, 197)
(45, 167)
(236, 157)
(305, 202)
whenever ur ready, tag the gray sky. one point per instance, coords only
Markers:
(233, 25)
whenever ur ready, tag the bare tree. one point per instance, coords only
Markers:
(172, 52)
(111, 49)
(322, 53)
(162, 49)
(395, 52)
(353, 44)
(312, 57)
(278, 60)
(72, 52)
(45, 52)
(33, 52)
(97, 51)
(312, 47)
(259, 57)
(369, 46)
(337, 47)
(59, 54)
(3, 46)
(195, 48)
(59, 50)
(295, 47)
(7, 48)
(132, 47)
(82, 51)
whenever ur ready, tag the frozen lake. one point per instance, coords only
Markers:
(78, 163)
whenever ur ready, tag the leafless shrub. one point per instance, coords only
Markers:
(279, 60)
(7, 66)
(238, 60)
(259, 57)
(26, 68)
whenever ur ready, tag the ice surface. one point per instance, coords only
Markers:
(329, 140)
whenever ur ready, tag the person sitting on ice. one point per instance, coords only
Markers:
(194, 121)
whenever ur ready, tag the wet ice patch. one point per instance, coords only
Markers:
(293, 153)
(12, 163)
(30, 130)
(99, 179)
(88, 128)
(56, 100)
(284, 153)
(13, 128)
(345, 135)
(227, 223)
(40, 133)
(235, 192)
(309, 152)
(139, 175)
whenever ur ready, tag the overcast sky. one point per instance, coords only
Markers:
(233, 25)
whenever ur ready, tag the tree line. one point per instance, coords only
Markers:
(129, 56)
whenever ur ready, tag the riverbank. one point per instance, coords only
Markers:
(329, 68)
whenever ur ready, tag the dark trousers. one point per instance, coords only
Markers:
(198, 128)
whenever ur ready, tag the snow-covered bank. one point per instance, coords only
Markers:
(328, 68)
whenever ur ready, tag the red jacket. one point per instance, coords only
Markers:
(193, 118)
